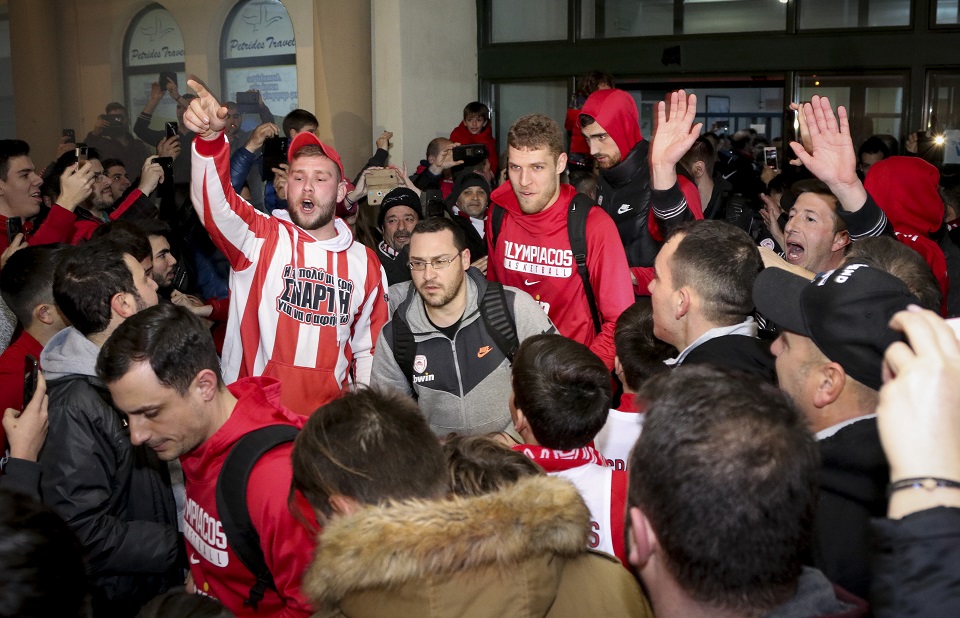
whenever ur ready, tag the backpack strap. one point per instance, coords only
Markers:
(232, 503)
(580, 207)
(496, 222)
(500, 324)
(404, 345)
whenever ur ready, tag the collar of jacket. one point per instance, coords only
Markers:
(634, 163)
(398, 543)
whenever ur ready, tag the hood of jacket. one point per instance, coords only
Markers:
(816, 597)
(905, 188)
(340, 242)
(258, 405)
(428, 543)
(547, 221)
(615, 111)
(69, 353)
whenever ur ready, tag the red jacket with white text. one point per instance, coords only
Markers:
(287, 545)
(533, 253)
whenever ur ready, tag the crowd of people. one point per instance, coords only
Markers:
(587, 374)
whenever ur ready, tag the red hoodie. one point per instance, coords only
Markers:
(643, 217)
(533, 254)
(287, 545)
(616, 111)
(905, 188)
(463, 135)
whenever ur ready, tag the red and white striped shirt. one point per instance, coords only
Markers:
(304, 311)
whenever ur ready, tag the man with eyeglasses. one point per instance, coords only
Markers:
(442, 345)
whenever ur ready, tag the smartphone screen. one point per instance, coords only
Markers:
(771, 158)
(30, 369)
(274, 153)
(172, 128)
(14, 227)
(71, 134)
(81, 155)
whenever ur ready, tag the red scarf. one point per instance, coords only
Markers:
(555, 461)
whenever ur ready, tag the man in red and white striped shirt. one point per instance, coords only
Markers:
(307, 302)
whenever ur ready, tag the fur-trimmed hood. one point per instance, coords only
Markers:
(388, 547)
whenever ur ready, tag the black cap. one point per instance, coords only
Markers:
(401, 196)
(845, 312)
(471, 179)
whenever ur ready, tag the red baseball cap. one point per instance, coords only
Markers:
(306, 138)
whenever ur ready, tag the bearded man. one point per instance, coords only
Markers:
(307, 302)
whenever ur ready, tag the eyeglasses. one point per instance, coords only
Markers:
(437, 264)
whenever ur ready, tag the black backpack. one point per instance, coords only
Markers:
(232, 502)
(494, 313)
(580, 207)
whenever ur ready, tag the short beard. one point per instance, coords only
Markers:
(324, 216)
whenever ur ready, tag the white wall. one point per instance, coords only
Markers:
(424, 57)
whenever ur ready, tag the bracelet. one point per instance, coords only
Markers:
(346, 198)
(928, 483)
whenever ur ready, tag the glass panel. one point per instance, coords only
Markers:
(888, 13)
(724, 110)
(608, 19)
(138, 93)
(154, 38)
(277, 85)
(874, 103)
(942, 118)
(948, 12)
(706, 16)
(516, 100)
(259, 28)
(816, 14)
(8, 127)
(530, 20)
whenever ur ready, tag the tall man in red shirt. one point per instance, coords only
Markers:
(532, 250)
(307, 302)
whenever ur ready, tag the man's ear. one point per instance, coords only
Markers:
(466, 258)
(124, 304)
(45, 313)
(343, 505)
(617, 366)
(641, 540)
(207, 384)
(341, 191)
(561, 162)
(840, 240)
(519, 420)
(699, 169)
(683, 299)
(831, 378)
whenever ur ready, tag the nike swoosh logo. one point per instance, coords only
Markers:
(623, 209)
(194, 559)
(725, 176)
(528, 282)
(483, 351)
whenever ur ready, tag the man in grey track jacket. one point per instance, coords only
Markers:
(460, 375)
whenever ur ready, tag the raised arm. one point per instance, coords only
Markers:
(234, 225)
